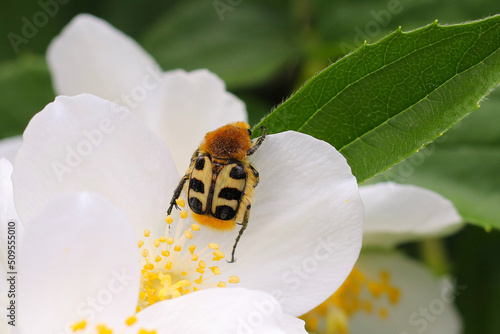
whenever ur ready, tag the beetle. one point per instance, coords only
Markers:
(221, 181)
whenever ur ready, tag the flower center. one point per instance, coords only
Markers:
(173, 266)
(359, 293)
(81, 327)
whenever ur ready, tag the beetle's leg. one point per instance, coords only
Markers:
(256, 174)
(176, 195)
(258, 142)
(180, 186)
(244, 224)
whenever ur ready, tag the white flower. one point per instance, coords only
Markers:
(9, 147)
(88, 167)
(388, 292)
(79, 261)
(90, 56)
(397, 213)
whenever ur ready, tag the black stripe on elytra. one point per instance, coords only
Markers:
(200, 163)
(224, 212)
(195, 205)
(197, 186)
(230, 194)
(238, 172)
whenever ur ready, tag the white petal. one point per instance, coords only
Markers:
(84, 143)
(305, 228)
(5, 328)
(78, 261)
(193, 103)
(9, 147)
(396, 213)
(425, 305)
(91, 56)
(219, 311)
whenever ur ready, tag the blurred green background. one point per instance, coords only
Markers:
(264, 50)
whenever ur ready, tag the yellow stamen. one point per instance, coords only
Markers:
(234, 279)
(170, 271)
(337, 322)
(102, 329)
(143, 331)
(218, 255)
(79, 325)
(180, 202)
(215, 270)
(359, 293)
(131, 320)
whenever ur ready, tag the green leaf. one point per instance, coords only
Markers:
(463, 166)
(476, 271)
(385, 101)
(244, 44)
(25, 88)
(359, 20)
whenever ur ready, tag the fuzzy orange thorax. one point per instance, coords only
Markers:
(232, 141)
